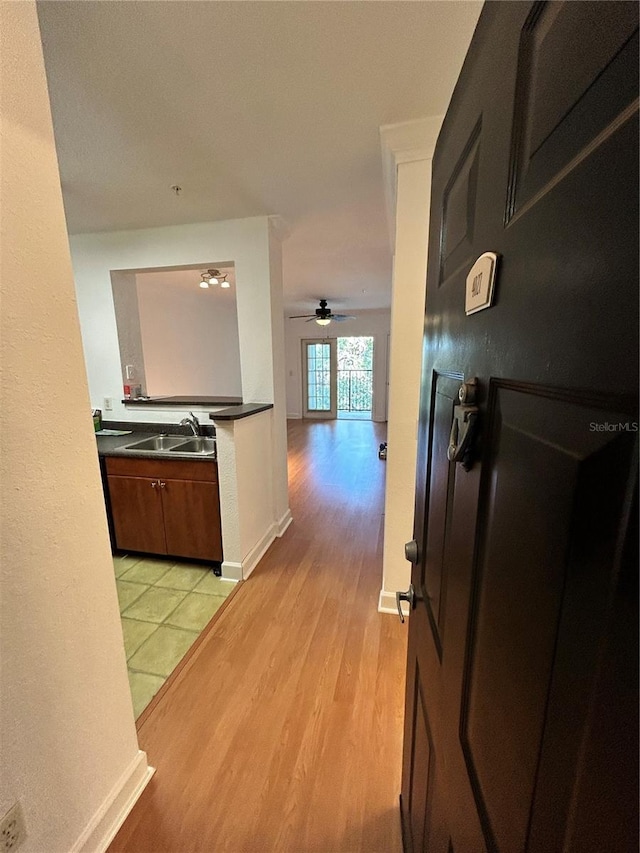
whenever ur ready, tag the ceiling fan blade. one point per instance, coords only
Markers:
(322, 313)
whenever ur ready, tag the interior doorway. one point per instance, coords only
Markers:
(355, 377)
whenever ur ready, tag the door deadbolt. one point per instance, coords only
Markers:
(411, 551)
(468, 391)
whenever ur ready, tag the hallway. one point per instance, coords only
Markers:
(284, 730)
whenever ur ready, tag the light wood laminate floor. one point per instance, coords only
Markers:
(284, 731)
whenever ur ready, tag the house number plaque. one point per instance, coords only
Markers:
(480, 283)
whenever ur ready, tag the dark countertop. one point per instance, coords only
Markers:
(113, 445)
(185, 401)
(238, 412)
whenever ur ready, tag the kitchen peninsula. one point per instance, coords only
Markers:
(244, 474)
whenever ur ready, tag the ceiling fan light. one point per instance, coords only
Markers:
(323, 321)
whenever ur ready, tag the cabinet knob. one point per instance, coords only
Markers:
(154, 484)
(162, 485)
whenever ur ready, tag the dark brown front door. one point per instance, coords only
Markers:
(521, 729)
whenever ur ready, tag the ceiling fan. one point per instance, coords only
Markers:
(323, 315)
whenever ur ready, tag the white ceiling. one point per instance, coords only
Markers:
(253, 108)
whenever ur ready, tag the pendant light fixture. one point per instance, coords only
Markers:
(210, 278)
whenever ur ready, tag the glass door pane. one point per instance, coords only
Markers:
(319, 378)
(319, 375)
(355, 377)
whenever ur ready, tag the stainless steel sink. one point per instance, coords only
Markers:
(201, 444)
(157, 442)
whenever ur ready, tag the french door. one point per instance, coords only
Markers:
(319, 370)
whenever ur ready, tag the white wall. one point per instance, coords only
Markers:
(252, 452)
(410, 148)
(243, 241)
(125, 303)
(189, 336)
(366, 323)
(68, 737)
(278, 357)
(245, 473)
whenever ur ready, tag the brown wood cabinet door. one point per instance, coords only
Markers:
(521, 726)
(136, 509)
(192, 519)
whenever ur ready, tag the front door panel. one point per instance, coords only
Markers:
(433, 581)
(520, 732)
(551, 494)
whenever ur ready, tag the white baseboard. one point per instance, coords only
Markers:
(257, 552)
(231, 571)
(240, 571)
(387, 603)
(296, 417)
(284, 522)
(103, 826)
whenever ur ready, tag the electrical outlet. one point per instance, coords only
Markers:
(12, 829)
(107, 404)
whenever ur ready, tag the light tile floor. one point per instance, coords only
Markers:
(164, 605)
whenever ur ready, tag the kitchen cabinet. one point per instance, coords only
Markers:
(165, 507)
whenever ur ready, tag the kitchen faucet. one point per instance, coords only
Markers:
(193, 422)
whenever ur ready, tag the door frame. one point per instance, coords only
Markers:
(332, 412)
(373, 369)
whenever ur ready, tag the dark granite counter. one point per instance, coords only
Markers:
(114, 445)
(237, 412)
(185, 401)
(109, 445)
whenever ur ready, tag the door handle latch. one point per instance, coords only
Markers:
(409, 596)
(464, 425)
